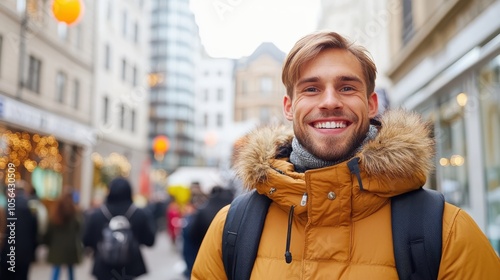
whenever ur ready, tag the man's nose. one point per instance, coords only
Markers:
(331, 99)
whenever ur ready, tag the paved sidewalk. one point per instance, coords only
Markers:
(163, 262)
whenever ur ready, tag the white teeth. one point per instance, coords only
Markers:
(330, 125)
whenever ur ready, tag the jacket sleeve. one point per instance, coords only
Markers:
(208, 263)
(467, 253)
(92, 230)
(143, 228)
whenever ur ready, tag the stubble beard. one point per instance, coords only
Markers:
(331, 150)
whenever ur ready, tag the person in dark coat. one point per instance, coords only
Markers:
(63, 236)
(21, 235)
(118, 202)
(198, 223)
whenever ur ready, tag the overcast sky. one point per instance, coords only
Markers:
(235, 28)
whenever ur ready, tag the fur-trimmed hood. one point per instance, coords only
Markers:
(402, 150)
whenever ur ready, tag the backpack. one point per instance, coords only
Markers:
(118, 244)
(416, 228)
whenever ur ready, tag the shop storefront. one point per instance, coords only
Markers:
(463, 104)
(46, 150)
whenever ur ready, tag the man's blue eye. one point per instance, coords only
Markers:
(346, 89)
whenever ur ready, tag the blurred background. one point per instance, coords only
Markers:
(159, 91)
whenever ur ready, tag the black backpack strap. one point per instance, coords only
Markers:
(417, 221)
(106, 212)
(241, 235)
(130, 211)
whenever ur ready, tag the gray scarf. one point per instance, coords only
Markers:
(303, 160)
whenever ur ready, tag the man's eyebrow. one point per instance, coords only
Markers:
(307, 80)
(350, 79)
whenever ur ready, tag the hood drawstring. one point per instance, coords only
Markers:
(354, 168)
(288, 254)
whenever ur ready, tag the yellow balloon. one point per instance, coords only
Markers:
(68, 11)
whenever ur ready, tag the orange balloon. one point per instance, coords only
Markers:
(161, 144)
(68, 11)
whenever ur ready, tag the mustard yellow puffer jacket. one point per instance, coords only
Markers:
(341, 231)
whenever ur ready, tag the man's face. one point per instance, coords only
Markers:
(331, 109)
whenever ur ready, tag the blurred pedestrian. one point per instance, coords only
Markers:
(118, 202)
(197, 224)
(63, 236)
(21, 235)
(198, 196)
(173, 220)
(39, 210)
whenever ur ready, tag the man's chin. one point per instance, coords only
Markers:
(327, 154)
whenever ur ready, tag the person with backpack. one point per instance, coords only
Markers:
(330, 185)
(115, 232)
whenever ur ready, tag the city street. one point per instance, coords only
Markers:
(163, 262)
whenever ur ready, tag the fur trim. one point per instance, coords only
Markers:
(256, 149)
(403, 148)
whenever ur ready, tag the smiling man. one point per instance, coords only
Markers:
(330, 180)
(331, 104)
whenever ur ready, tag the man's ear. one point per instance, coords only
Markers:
(372, 105)
(287, 107)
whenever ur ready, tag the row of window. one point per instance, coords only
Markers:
(265, 86)
(126, 115)
(125, 22)
(32, 82)
(219, 97)
(128, 71)
(219, 120)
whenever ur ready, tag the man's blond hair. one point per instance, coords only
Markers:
(311, 45)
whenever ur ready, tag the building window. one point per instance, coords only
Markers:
(132, 121)
(124, 69)
(452, 151)
(124, 24)
(76, 93)
(60, 86)
(136, 32)
(34, 69)
(205, 120)
(109, 11)
(266, 85)
(134, 76)
(107, 57)
(105, 110)
(21, 6)
(408, 31)
(220, 94)
(62, 31)
(220, 120)
(122, 116)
